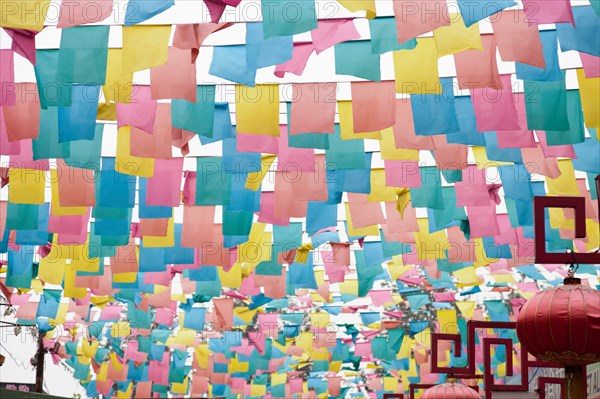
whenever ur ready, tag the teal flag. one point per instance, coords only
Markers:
(288, 17)
(196, 117)
(546, 105)
(384, 36)
(345, 154)
(356, 59)
(46, 145)
(576, 132)
(213, 185)
(52, 92)
(83, 54)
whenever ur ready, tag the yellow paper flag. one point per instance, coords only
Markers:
(457, 37)
(125, 162)
(145, 46)
(447, 320)
(417, 70)
(26, 186)
(430, 245)
(257, 109)
(254, 179)
(359, 232)
(467, 308)
(118, 82)
(52, 270)
(24, 14)
(166, 241)
(56, 209)
(565, 184)
(389, 151)
(379, 191)
(347, 124)
(360, 5)
(589, 90)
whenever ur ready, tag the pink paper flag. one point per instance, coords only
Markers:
(191, 36)
(521, 138)
(176, 78)
(495, 107)
(24, 159)
(267, 210)
(294, 161)
(373, 105)
(548, 12)
(164, 188)
(22, 120)
(543, 165)
(591, 65)
(217, 7)
(157, 144)
(330, 32)
(23, 42)
(313, 108)
(287, 205)
(75, 186)
(380, 297)
(449, 156)
(300, 55)
(472, 190)
(7, 147)
(140, 112)
(3, 209)
(340, 255)
(259, 142)
(7, 78)
(224, 313)
(363, 212)
(81, 12)
(198, 223)
(517, 40)
(404, 129)
(79, 226)
(565, 151)
(399, 228)
(471, 194)
(405, 174)
(483, 221)
(508, 235)
(189, 188)
(415, 18)
(476, 68)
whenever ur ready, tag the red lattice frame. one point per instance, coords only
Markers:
(469, 370)
(576, 203)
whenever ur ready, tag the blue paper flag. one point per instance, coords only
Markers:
(584, 36)
(552, 71)
(229, 62)
(142, 10)
(78, 121)
(474, 11)
(263, 52)
(434, 113)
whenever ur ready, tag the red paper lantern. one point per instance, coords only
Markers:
(562, 325)
(450, 390)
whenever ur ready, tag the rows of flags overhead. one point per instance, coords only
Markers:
(304, 237)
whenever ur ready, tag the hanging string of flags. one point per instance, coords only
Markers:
(175, 241)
